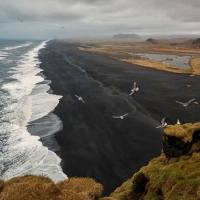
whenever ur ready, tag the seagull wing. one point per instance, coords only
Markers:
(158, 126)
(134, 85)
(116, 116)
(76, 96)
(82, 101)
(125, 114)
(190, 100)
(132, 91)
(20, 19)
(163, 120)
(179, 102)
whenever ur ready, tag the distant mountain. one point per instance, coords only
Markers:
(168, 36)
(194, 43)
(126, 36)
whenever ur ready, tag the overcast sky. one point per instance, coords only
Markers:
(97, 18)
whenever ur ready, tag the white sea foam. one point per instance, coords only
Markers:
(18, 46)
(43, 104)
(3, 55)
(25, 101)
(51, 124)
(40, 88)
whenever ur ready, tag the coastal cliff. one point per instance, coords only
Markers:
(173, 175)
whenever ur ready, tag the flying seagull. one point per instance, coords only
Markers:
(163, 123)
(178, 122)
(187, 103)
(121, 117)
(134, 88)
(79, 98)
(20, 19)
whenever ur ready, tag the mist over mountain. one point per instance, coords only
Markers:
(126, 36)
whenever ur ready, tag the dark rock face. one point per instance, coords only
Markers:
(150, 40)
(139, 183)
(126, 36)
(175, 147)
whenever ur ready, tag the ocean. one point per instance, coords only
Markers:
(27, 121)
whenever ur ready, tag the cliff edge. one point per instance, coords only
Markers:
(174, 174)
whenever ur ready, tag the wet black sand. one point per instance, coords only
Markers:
(94, 144)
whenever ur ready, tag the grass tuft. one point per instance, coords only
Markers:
(183, 131)
(34, 187)
(88, 185)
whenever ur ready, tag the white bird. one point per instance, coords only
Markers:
(79, 98)
(121, 117)
(134, 88)
(187, 103)
(178, 122)
(163, 123)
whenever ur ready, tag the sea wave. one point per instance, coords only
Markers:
(24, 100)
(3, 55)
(18, 46)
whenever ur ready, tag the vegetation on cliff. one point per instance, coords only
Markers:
(174, 175)
(32, 187)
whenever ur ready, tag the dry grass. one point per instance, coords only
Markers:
(195, 65)
(184, 131)
(156, 65)
(162, 47)
(86, 185)
(33, 187)
(108, 198)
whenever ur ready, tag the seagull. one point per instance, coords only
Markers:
(79, 98)
(62, 27)
(178, 122)
(134, 89)
(163, 123)
(20, 19)
(187, 103)
(121, 117)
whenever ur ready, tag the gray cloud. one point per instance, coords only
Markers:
(98, 17)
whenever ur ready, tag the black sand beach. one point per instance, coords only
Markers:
(94, 144)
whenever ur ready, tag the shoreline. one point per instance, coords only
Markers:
(92, 142)
(119, 48)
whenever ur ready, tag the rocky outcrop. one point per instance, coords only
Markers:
(151, 40)
(174, 174)
(169, 59)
